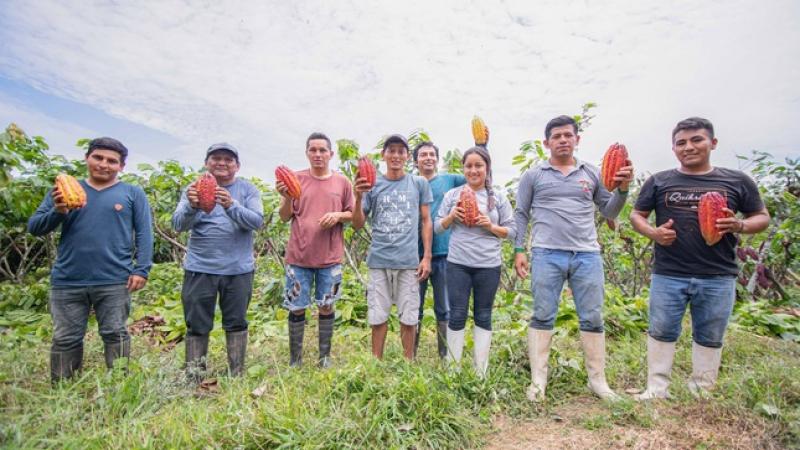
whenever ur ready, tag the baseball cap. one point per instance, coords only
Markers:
(223, 146)
(395, 139)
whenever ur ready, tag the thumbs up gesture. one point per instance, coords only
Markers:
(664, 234)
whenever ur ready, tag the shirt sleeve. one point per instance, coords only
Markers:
(646, 201)
(143, 232)
(248, 210)
(522, 213)
(444, 209)
(347, 196)
(46, 218)
(505, 216)
(425, 193)
(185, 216)
(751, 198)
(459, 180)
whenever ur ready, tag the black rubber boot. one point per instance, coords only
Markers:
(296, 330)
(441, 338)
(116, 350)
(196, 350)
(63, 365)
(325, 336)
(236, 343)
(416, 338)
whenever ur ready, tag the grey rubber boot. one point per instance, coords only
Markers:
(64, 365)
(594, 350)
(117, 350)
(538, 352)
(705, 368)
(325, 336)
(441, 338)
(455, 344)
(296, 330)
(482, 341)
(236, 344)
(660, 356)
(196, 350)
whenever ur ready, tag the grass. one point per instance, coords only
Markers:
(362, 402)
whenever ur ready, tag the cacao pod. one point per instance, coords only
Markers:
(71, 191)
(367, 170)
(709, 209)
(479, 131)
(206, 192)
(616, 157)
(286, 176)
(469, 202)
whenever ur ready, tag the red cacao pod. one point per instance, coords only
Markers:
(71, 191)
(709, 209)
(286, 176)
(469, 202)
(367, 170)
(207, 192)
(616, 157)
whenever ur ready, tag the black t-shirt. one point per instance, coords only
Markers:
(674, 195)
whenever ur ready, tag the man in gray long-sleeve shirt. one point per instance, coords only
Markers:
(559, 197)
(104, 253)
(219, 260)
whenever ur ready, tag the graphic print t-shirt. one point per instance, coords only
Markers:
(393, 209)
(674, 195)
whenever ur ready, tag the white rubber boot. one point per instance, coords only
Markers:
(660, 356)
(483, 341)
(705, 368)
(594, 352)
(455, 345)
(538, 352)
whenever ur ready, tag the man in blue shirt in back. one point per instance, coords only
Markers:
(104, 253)
(219, 261)
(426, 158)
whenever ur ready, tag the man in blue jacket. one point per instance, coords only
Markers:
(105, 253)
(219, 261)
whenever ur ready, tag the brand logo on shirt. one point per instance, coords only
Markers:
(687, 198)
(117, 207)
(586, 185)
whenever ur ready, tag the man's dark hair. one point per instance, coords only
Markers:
(560, 121)
(107, 143)
(425, 144)
(693, 123)
(318, 135)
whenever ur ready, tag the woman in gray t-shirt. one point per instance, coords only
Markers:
(474, 257)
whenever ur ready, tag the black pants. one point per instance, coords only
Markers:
(199, 298)
(482, 283)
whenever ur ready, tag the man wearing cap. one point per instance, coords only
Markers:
(104, 253)
(399, 207)
(219, 261)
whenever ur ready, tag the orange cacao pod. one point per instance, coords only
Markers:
(615, 158)
(206, 192)
(479, 131)
(287, 177)
(367, 170)
(709, 209)
(469, 202)
(71, 191)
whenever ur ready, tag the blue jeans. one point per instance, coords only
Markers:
(482, 283)
(70, 306)
(710, 303)
(583, 271)
(438, 279)
(326, 281)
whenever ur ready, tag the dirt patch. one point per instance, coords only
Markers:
(150, 327)
(587, 423)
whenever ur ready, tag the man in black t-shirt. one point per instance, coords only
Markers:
(686, 270)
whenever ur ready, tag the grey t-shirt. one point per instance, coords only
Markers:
(476, 246)
(394, 205)
(561, 207)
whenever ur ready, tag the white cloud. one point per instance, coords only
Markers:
(265, 74)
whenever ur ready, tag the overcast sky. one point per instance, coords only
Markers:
(168, 78)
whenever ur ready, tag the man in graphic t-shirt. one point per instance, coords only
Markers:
(396, 204)
(316, 244)
(687, 271)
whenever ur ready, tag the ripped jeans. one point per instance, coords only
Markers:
(327, 283)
